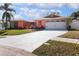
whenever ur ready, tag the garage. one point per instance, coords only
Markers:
(55, 21)
(55, 25)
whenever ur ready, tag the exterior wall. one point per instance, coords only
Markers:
(40, 23)
(27, 25)
(1, 28)
(15, 24)
(56, 25)
(20, 24)
(12, 25)
(75, 25)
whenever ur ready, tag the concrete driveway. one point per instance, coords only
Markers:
(30, 41)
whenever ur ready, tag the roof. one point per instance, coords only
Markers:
(57, 18)
(24, 20)
(52, 17)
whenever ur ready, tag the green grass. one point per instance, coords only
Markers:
(71, 34)
(14, 32)
(57, 48)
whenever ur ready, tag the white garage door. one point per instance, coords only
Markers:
(55, 25)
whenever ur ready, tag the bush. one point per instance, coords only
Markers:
(69, 27)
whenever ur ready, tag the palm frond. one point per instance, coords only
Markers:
(12, 15)
(4, 15)
(6, 5)
(9, 9)
(2, 7)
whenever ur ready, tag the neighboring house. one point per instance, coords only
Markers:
(1, 25)
(75, 24)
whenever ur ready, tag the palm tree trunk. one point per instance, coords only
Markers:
(3, 25)
(6, 25)
(10, 24)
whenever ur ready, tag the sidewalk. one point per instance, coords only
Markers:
(66, 40)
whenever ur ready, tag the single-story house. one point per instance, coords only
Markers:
(50, 22)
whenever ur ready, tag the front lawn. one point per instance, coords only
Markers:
(14, 32)
(57, 48)
(71, 34)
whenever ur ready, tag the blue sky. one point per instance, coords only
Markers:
(33, 11)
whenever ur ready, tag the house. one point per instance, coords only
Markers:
(75, 24)
(55, 22)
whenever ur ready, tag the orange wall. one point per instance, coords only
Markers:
(20, 24)
(27, 25)
(40, 23)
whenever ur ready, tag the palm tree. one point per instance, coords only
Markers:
(7, 15)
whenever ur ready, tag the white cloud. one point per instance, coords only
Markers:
(74, 5)
(18, 16)
(30, 12)
(24, 9)
(12, 6)
(29, 4)
(41, 5)
(54, 5)
(37, 12)
(59, 11)
(49, 5)
(53, 10)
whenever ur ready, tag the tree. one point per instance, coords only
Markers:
(68, 23)
(7, 15)
(75, 15)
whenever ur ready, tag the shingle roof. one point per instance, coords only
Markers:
(52, 17)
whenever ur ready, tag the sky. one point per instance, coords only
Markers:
(35, 11)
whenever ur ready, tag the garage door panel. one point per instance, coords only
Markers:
(55, 25)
